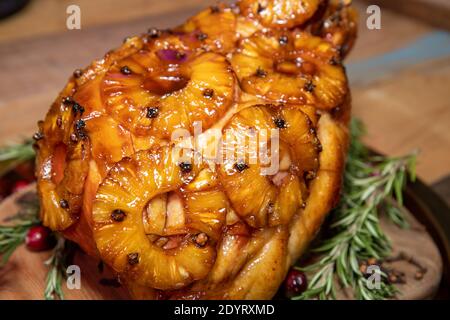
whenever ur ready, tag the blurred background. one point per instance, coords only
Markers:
(399, 74)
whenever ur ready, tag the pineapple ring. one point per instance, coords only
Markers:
(62, 165)
(291, 67)
(271, 199)
(280, 13)
(215, 28)
(119, 228)
(339, 25)
(156, 91)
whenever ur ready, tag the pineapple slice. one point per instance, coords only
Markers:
(279, 13)
(166, 87)
(119, 215)
(338, 25)
(214, 27)
(62, 163)
(291, 67)
(269, 198)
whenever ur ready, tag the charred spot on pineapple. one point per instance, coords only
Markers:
(185, 167)
(118, 215)
(152, 112)
(126, 70)
(133, 258)
(208, 93)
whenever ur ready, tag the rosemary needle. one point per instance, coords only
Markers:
(370, 184)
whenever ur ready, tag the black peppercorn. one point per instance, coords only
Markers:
(280, 123)
(118, 215)
(240, 166)
(309, 175)
(80, 125)
(77, 108)
(185, 167)
(208, 93)
(133, 258)
(77, 73)
(260, 8)
(38, 136)
(154, 33)
(283, 40)
(202, 36)
(260, 72)
(68, 101)
(152, 112)
(309, 86)
(125, 70)
(64, 204)
(334, 61)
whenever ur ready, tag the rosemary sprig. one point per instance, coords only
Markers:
(57, 264)
(370, 184)
(13, 235)
(14, 154)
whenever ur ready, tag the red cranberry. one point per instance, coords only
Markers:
(19, 185)
(39, 238)
(295, 283)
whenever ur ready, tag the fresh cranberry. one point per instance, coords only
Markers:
(19, 185)
(295, 283)
(39, 238)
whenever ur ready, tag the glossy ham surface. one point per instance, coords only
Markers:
(151, 157)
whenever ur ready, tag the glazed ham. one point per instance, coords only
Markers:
(150, 158)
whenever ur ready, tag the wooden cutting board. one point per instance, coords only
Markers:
(24, 275)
